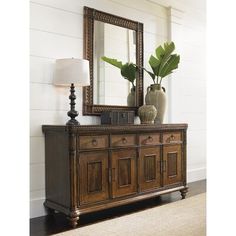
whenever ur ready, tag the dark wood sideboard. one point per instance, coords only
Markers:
(94, 167)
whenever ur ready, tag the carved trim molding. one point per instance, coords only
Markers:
(120, 128)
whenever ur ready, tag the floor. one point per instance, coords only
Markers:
(48, 225)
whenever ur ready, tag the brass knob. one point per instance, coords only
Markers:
(172, 137)
(150, 138)
(94, 142)
(124, 140)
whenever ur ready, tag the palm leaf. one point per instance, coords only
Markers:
(112, 61)
(128, 71)
(168, 48)
(160, 52)
(154, 63)
(151, 74)
(170, 65)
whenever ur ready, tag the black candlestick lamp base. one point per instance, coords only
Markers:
(72, 113)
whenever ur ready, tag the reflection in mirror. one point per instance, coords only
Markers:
(110, 88)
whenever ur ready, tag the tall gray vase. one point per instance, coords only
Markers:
(131, 99)
(156, 96)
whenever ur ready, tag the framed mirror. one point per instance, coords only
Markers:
(114, 37)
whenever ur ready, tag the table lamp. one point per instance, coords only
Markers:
(72, 72)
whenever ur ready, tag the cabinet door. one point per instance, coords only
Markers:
(124, 179)
(172, 164)
(149, 168)
(93, 176)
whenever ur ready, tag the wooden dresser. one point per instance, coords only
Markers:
(94, 167)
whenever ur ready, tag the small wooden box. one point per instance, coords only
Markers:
(117, 117)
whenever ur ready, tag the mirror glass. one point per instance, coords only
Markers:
(110, 88)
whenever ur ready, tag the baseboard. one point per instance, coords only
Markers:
(196, 174)
(36, 208)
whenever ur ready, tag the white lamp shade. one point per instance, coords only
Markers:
(70, 70)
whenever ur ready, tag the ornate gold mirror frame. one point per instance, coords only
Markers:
(90, 15)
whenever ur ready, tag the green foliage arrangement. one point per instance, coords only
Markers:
(163, 63)
(127, 70)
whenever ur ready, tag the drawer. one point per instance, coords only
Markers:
(122, 140)
(149, 139)
(90, 142)
(172, 137)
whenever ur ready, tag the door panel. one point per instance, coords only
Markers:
(93, 173)
(124, 180)
(172, 164)
(124, 171)
(149, 167)
(94, 176)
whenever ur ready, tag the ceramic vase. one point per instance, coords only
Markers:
(156, 96)
(147, 114)
(131, 98)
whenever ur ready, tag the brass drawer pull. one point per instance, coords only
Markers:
(150, 139)
(94, 142)
(124, 140)
(170, 139)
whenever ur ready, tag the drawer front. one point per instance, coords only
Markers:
(122, 140)
(149, 139)
(172, 137)
(90, 142)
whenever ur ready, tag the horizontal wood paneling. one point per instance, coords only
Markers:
(37, 194)
(197, 138)
(141, 10)
(146, 8)
(188, 96)
(74, 6)
(57, 21)
(55, 46)
(154, 19)
(37, 177)
(37, 150)
(196, 174)
(151, 41)
(40, 117)
(37, 208)
(41, 69)
(54, 98)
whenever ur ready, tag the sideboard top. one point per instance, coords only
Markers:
(110, 128)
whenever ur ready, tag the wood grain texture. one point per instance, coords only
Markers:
(57, 182)
(122, 140)
(149, 168)
(93, 177)
(172, 137)
(124, 172)
(106, 166)
(149, 139)
(91, 142)
(172, 165)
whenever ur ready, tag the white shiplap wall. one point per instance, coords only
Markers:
(187, 95)
(56, 31)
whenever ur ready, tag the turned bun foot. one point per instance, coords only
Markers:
(74, 221)
(184, 192)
